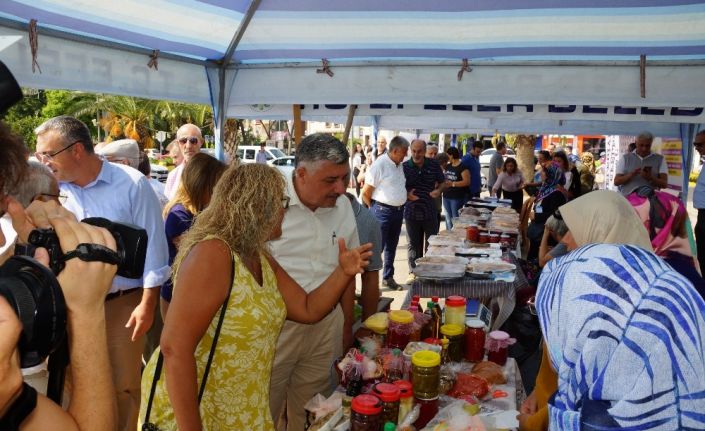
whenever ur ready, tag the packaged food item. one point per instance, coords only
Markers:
(468, 386)
(426, 367)
(497, 345)
(454, 334)
(389, 394)
(399, 328)
(377, 323)
(474, 340)
(455, 310)
(493, 373)
(393, 366)
(406, 398)
(366, 413)
(427, 411)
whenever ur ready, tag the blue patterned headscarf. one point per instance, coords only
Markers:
(554, 177)
(625, 333)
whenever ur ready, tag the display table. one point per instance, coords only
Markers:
(473, 288)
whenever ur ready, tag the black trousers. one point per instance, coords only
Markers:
(517, 198)
(417, 233)
(700, 238)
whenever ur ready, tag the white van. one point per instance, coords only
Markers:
(248, 153)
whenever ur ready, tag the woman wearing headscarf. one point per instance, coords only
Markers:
(600, 217)
(664, 217)
(587, 172)
(548, 199)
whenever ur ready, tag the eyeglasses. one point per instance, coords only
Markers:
(191, 140)
(48, 157)
(285, 202)
(44, 197)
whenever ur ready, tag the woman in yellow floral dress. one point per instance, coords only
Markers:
(245, 212)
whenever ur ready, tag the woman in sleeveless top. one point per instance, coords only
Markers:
(229, 239)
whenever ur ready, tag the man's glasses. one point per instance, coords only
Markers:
(48, 157)
(45, 197)
(285, 202)
(191, 140)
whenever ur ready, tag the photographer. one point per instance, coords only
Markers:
(84, 285)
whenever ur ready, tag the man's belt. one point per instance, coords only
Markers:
(120, 293)
(394, 207)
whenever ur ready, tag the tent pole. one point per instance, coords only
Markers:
(298, 125)
(348, 125)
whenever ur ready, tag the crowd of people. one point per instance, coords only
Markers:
(254, 274)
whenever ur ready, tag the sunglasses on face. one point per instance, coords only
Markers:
(191, 140)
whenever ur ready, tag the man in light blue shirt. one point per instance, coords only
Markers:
(699, 202)
(97, 188)
(261, 155)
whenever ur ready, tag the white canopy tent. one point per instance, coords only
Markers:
(255, 58)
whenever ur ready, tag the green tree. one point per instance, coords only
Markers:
(26, 115)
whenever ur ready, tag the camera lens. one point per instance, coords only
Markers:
(35, 295)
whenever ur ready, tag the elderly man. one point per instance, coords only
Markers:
(190, 140)
(424, 183)
(380, 149)
(641, 168)
(472, 162)
(318, 215)
(496, 165)
(96, 188)
(385, 194)
(699, 202)
(123, 151)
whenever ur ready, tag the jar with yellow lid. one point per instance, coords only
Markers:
(399, 329)
(454, 334)
(426, 367)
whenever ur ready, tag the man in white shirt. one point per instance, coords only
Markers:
(190, 141)
(385, 194)
(97, 188)
(318, 214)
(641, 167)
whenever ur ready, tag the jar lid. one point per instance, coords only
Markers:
(434, 299)
(484, 233)
(426, 358)
(416, 298)
(367, 404)
(387, 392)
(475, 323)
(505, 235)
(455, 301)
(499, 335)
(495, 234)
(401, 316)
(451, 330)
(431, 340)
(406, 389)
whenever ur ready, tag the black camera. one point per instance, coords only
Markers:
(130, 241)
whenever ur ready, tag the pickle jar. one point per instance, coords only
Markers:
(454, 334)
(399, 329)
(426, 367)
(406, 398)
(455, 310)
(474, 340)
(366, 413)
(389, 394)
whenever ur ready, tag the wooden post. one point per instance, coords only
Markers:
(348, 124)
(298, 125)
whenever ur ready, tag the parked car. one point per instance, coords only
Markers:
(285, 165)
(487, 154)
(248, 153)
(158, 172)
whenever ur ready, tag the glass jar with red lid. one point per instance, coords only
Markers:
(455, 310)
(389, 394)
(406, 398)
(474, 340)
(366, 413)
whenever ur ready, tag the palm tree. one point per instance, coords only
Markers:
(524, 149)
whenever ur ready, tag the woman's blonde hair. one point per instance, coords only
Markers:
(243, 211)
(198, 180)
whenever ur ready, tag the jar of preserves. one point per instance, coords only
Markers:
(455, 310)
(366, 413)
(428, 410)
(454, 334)
(426, 367)
(494, 238)
(497, 344)
(472, 233)
(399, 329)
(474, 340)
(406, 398)
(484, 237)
(389, 395)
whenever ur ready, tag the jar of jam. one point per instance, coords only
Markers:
(455, 310)
(505, 240)
(389, 395)
(474, 340)
(399, 329)
(484, 237)
(497, 344)
(472, 233)
(406, 398)
(454, 334)
(366, 413)
(494, 238)
(426, 367)
(428, 411)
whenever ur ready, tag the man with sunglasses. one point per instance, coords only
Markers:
(98, 188)
(699, 202)
(190, 140)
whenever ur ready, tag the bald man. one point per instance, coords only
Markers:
(190, 141)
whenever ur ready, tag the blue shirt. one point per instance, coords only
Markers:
(699, 192)
(473, 164)
(121, 193)
(422, 181)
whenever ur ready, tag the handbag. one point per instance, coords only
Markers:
(148, 426)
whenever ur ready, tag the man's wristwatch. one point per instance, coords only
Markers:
(20, 409)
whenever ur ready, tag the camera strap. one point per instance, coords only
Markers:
(93, 253)
(160, 360)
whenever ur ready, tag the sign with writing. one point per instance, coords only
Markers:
(672, 151)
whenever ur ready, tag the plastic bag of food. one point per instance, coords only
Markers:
(468, 386)
(377, 323)
(321, 410)
(493, 373)
(457, 416)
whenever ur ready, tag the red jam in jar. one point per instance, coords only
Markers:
(497, 344)
(473, 233)
(366, 413)
(474, 340)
